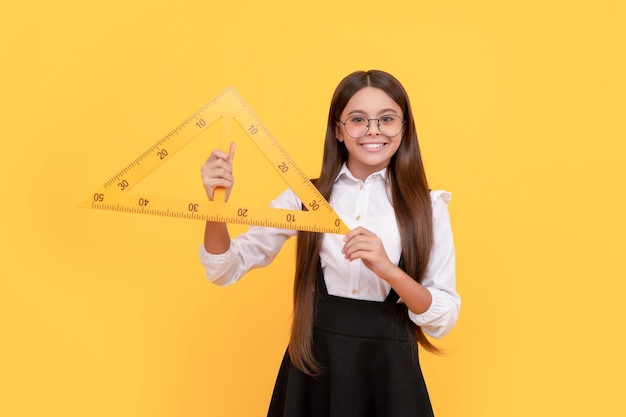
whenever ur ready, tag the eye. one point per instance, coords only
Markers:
(358, 119)
(388, 119)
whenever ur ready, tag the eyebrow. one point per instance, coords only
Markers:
(383, 111)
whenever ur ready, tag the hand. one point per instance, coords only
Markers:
(217, 172)
(360, 243)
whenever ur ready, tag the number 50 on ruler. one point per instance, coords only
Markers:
(114, 194)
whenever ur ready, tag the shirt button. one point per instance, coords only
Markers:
(361, 187)
(354, 291)
(358, 218)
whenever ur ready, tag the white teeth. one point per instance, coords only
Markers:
(373, 145)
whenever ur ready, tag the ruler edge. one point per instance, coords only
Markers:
(341, 229)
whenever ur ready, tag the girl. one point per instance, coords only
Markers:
(363, 301)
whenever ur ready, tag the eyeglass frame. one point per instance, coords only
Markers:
(368, 126)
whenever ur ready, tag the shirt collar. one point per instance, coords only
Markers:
(345, 172)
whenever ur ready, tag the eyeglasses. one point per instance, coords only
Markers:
(357, 126)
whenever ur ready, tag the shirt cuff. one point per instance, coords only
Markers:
(439, 319)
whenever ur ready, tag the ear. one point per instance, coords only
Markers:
(338, 132)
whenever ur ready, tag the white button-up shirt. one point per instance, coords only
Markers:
(367, 204)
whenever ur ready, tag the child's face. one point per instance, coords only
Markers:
(373, 151)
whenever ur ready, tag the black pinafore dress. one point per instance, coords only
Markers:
(370, 368)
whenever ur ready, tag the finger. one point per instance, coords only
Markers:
(358, 231)
(218, 169)
(231, 153)
(209, 174)
(357, 245)
(214, 181)
(218, 154)
(214, 185)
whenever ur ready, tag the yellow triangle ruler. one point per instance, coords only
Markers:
(114, 194)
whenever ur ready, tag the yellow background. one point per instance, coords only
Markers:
(520, 111)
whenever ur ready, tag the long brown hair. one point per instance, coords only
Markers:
(410, 199)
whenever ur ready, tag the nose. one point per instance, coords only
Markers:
(373, 128)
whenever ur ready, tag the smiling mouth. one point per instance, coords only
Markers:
(373, 146)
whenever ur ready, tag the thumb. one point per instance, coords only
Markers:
(231, 152)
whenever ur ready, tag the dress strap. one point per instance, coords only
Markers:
(321, 282)
(393, 296)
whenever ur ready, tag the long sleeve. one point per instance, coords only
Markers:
(255, 248)
(440, 276)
